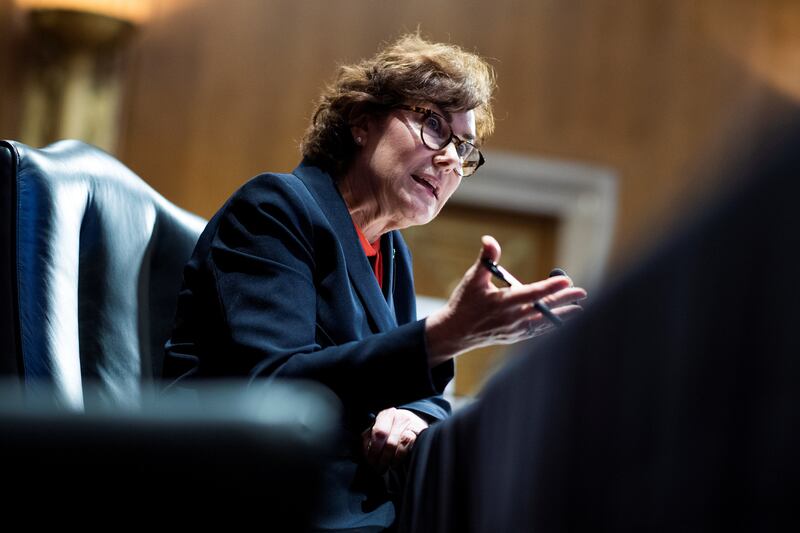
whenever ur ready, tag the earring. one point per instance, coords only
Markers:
(358, 141)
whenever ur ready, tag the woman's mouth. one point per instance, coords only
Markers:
(428, 185)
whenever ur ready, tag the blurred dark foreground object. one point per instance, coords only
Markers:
(670, 405)
(223, 451)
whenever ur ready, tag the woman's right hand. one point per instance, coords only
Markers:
(480, 314)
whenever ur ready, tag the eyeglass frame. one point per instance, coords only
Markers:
(455, 139)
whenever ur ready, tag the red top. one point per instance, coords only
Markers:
(373, 252)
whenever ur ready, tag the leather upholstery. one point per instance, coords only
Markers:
(92, 259)
(229, 454)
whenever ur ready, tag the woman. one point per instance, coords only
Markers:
(305, 275)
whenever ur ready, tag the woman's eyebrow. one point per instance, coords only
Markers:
(441, 112)
(467, 136)
(449, 118)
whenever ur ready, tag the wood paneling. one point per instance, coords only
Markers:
(15, 54)
(223, 90)
(219, 91)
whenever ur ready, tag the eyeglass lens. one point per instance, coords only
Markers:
(436, 134)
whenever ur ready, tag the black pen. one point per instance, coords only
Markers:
(505, 276)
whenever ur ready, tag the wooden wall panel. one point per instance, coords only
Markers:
(15, 53)
(220, 90)
(217, 91)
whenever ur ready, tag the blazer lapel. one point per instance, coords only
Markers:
(389, 272)
(325, 192)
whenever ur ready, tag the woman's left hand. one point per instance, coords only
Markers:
(391, 437)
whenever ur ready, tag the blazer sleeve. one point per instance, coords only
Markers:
(262, 260)
(432, 409)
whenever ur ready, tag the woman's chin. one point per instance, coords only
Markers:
(419, 211)
(422, 218)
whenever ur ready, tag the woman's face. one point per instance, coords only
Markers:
(410, 182)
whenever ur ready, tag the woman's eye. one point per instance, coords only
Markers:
(433, 123)
(463, 150)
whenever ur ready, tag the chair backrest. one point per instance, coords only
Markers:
(92, 261)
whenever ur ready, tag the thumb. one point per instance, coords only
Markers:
(490, 249)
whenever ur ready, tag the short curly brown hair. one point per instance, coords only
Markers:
(409, 70)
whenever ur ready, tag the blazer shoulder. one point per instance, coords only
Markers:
(269, 186)
(273, 193)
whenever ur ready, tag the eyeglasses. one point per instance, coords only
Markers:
(436, 133)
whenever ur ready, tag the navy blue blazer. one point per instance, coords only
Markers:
(279, 285)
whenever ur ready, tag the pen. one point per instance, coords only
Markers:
(505, 276)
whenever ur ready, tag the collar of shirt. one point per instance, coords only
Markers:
(373, 253)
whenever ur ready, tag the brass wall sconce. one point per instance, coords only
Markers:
(73, 86)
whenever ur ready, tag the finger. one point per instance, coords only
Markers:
(567, 312)
(560, 272)
(390, 449)
(396, 435)
(406, 426)
(407, 439)
(513, 322)
(490, 249)
(537, 323)
(580, 295)
(567, 296)
(379, 434)
(535, 291)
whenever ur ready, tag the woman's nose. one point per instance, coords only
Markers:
(448, 158)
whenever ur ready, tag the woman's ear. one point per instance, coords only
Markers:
(359, 129)
(360, 120)
(359, 134)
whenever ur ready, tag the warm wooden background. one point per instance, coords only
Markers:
(220, 90)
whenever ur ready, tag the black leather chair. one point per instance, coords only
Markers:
(91, 265)
(227, 453)
(92, 259)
